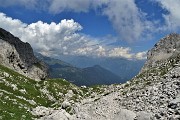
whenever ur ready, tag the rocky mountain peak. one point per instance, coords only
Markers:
(166, 48)
(19, 56)
(24, 49)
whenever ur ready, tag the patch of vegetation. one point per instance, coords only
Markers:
(124, 92)
(2, 35)
(106, 94)
(39, 65)
(96, 99)
(97, 89)
(20, 94)
(148, 82)
(15, 104)
(126, 85)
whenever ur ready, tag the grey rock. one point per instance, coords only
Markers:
(50, 114)
(65, 105)
(124, 114)
(58, 115)
(19, 56)
(167, 47)
(144, 116)
(176, 100)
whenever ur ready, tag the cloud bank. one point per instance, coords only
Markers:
(25, 3)
(125, 16)
(127, 19)
(173, 17)
(63, 38)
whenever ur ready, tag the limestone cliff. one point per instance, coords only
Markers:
(166, 48)
(19, 56)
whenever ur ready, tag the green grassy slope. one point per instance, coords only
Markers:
(19, 94)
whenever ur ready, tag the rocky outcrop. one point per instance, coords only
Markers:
(166, 48)
(158, 83)
(19, 56)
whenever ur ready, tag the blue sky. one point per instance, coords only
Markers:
(97, 28)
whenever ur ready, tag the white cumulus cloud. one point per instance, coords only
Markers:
(63, 38)
(125, 52)
(125, 16)
(57, 6)
(173, 17)
(141, 55)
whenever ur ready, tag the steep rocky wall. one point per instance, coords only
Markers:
(166, 48)
(19, 56)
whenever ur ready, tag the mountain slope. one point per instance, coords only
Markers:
(100, 76)
(19, 95)
(19, 56)
(118, 66)
(80, 76)
(158, 84)
(167, 48)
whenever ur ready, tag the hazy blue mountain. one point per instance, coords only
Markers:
(80, 76)
(124, 68)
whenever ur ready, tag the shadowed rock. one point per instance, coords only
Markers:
(19, 56)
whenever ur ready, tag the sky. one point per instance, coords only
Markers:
(94, 28)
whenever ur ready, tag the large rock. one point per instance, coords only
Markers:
(50, 114)
(143, 116)
(124, 114)
(19, 56)
(167, 47)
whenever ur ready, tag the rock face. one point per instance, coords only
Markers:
(19, 56)
(157, 87)
(167, 47)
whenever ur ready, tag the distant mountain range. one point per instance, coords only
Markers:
(124, 68)
(80, 76)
